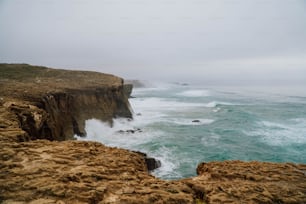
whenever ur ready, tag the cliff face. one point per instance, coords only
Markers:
(69, 110)
(41, 103)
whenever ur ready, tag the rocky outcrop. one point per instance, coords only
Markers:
(128, 88)
(151, 163)
(38, 103)
(81, 172)
(250, 182)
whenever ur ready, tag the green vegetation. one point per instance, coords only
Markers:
(20, 72)
(28, 73)
(37, 80)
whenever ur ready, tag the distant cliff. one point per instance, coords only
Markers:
(128, 88)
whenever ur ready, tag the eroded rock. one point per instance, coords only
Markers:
(152, 163)
(250, 182)
(81, 172)
(135, 130)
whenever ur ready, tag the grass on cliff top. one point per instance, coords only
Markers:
(20, 71)
(23, 80)
(25, 73)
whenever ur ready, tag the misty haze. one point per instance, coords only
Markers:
(208, 42)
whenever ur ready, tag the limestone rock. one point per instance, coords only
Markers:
(80, 172)
(250, 182)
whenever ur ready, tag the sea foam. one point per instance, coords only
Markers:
(117, 135)
(278, 134)
(214, 104)
(142, 140)
(195, 93)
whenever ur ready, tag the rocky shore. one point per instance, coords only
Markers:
(42, 108)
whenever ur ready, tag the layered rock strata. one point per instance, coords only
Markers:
(41, 107)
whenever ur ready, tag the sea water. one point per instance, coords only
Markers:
(184, 125)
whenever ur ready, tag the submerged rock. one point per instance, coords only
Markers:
(130, 131)
(152, 163)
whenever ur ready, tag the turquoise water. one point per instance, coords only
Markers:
(236, 123)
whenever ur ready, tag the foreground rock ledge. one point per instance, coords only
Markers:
(35, 170)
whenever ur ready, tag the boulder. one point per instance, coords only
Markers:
(152, 163)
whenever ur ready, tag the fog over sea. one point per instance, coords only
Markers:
(183, 125)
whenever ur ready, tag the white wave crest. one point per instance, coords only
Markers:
(214, 104)
(195, 93)
(277, 134)
(117, 135)
(168, 163)
(186, 121)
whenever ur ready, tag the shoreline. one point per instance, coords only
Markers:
(41, 171)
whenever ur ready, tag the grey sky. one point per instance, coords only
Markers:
(213, 41)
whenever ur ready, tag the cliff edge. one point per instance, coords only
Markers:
(42, 108)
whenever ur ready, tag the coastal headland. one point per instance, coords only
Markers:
(41, 109)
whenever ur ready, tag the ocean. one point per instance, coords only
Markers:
(183, 125)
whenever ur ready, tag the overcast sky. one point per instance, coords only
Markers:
(205, 41)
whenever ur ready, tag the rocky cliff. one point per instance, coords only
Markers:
(41, 107)
(54, 104)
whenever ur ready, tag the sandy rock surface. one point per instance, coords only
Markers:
(81, 172)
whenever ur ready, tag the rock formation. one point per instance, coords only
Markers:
(42, 107)
(54, 104)
(250, 182)
(128, 88)
(42, 171)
